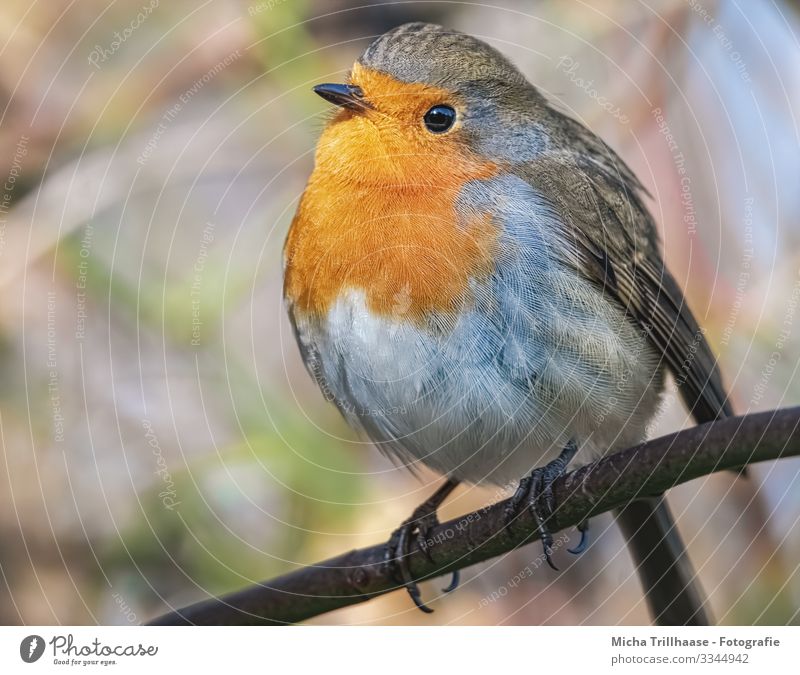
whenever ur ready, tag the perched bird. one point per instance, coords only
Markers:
(475, 281)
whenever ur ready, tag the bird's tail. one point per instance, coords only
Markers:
(669, 581)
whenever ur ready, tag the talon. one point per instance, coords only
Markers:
(416, 596)
(539, 490)
(454, 581)
(536, 492)
(419, 525)
(547, 542)
(548, 556)
(583, 528)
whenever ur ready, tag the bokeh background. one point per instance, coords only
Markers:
(161, 439)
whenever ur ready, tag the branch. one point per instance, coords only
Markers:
(647, 469)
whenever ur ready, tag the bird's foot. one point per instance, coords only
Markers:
(418, 528)
(535, 492)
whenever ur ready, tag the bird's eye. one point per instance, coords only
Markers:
(439, 118)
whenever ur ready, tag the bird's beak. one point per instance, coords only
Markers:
(344, 95)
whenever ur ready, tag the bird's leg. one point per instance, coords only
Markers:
(535, 492)
(419, 525)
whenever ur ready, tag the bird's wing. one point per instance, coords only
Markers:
(613, 241)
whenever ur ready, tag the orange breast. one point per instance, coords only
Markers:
(407, 252)
(379, 216)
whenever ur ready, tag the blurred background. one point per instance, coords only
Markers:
(161, 438)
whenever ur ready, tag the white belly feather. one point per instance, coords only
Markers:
(454, 405)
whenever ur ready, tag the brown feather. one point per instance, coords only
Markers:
(615, 244)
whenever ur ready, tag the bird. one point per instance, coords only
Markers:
(474, 279)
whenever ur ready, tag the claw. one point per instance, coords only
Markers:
(583, 528)
(416, 596)
(397, 557)
(536, 491)
(546, 537)
(419, 525)
(454, 581)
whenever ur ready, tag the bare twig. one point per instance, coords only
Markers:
(648, 469)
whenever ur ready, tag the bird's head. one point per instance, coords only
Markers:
(425, 105)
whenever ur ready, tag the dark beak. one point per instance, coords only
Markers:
(344, 95)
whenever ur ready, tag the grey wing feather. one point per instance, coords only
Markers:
(614, 242)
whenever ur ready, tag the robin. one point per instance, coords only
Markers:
(474, 280)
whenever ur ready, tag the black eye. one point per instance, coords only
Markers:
(439, 118)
